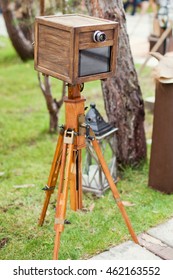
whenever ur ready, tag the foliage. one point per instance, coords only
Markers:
(62, 6)
(26, 151)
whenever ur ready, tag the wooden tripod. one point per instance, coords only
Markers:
(67, 164)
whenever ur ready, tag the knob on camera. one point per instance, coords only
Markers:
(99, 36)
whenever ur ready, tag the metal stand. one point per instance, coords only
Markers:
(67, 164)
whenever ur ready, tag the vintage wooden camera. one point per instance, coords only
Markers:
(75, 48)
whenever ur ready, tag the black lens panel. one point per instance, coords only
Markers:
(94, 61)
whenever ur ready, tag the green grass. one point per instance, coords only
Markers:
(26, 152)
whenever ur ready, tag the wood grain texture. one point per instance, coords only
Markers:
(74, 108)
(58, 40)
(87, 37)
(52, 43)
(53, 176)
(73, 21)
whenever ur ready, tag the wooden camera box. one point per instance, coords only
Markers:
(75, 48)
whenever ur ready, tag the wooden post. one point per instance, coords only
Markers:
(157, 46)
(74, 107)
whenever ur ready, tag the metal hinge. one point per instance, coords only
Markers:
(69, 137)
(47, 188)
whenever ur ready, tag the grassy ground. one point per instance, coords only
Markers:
(26, 151)
(147, 84)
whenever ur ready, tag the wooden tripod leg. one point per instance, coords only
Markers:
(114, 189)
(63, 195)
(73, 201)
(76, 181)
(79, 178)
(49, 189)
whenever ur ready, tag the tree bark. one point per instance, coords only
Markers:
(42, 7)
(122, 94)
(53, 105)
(21, 44)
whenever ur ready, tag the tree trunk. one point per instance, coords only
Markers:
(21, 44)
(122, 94)
(53, 105)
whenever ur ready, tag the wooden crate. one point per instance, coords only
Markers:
(65, 49)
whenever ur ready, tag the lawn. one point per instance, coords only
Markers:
(26, 152)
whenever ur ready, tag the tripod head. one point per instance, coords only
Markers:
(74, 91)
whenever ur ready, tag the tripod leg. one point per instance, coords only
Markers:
(114, 189)
(79, 178)
(73, 182)
(63, 195)
(76, 182)
(52, 177)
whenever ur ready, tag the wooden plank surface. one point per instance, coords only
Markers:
(87, 37)
(59, 40)
(51, 54)
(74, 20)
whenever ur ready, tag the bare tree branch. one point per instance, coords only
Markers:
(22, 45)
(53, 105)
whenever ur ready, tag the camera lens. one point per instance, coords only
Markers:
(99, 36)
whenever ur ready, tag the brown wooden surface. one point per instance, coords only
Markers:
(74, 106)
(74, 21)
(58, 40)
(87, 37)
(72, 183)
(88, 45)
(161, 160)
(54, 172)
(64, 180)
(76, 181)
(114, 51)
(79, 170)
(61, 207)
(52, 43)
(74, 92)
(36, 45)
(61, 179)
